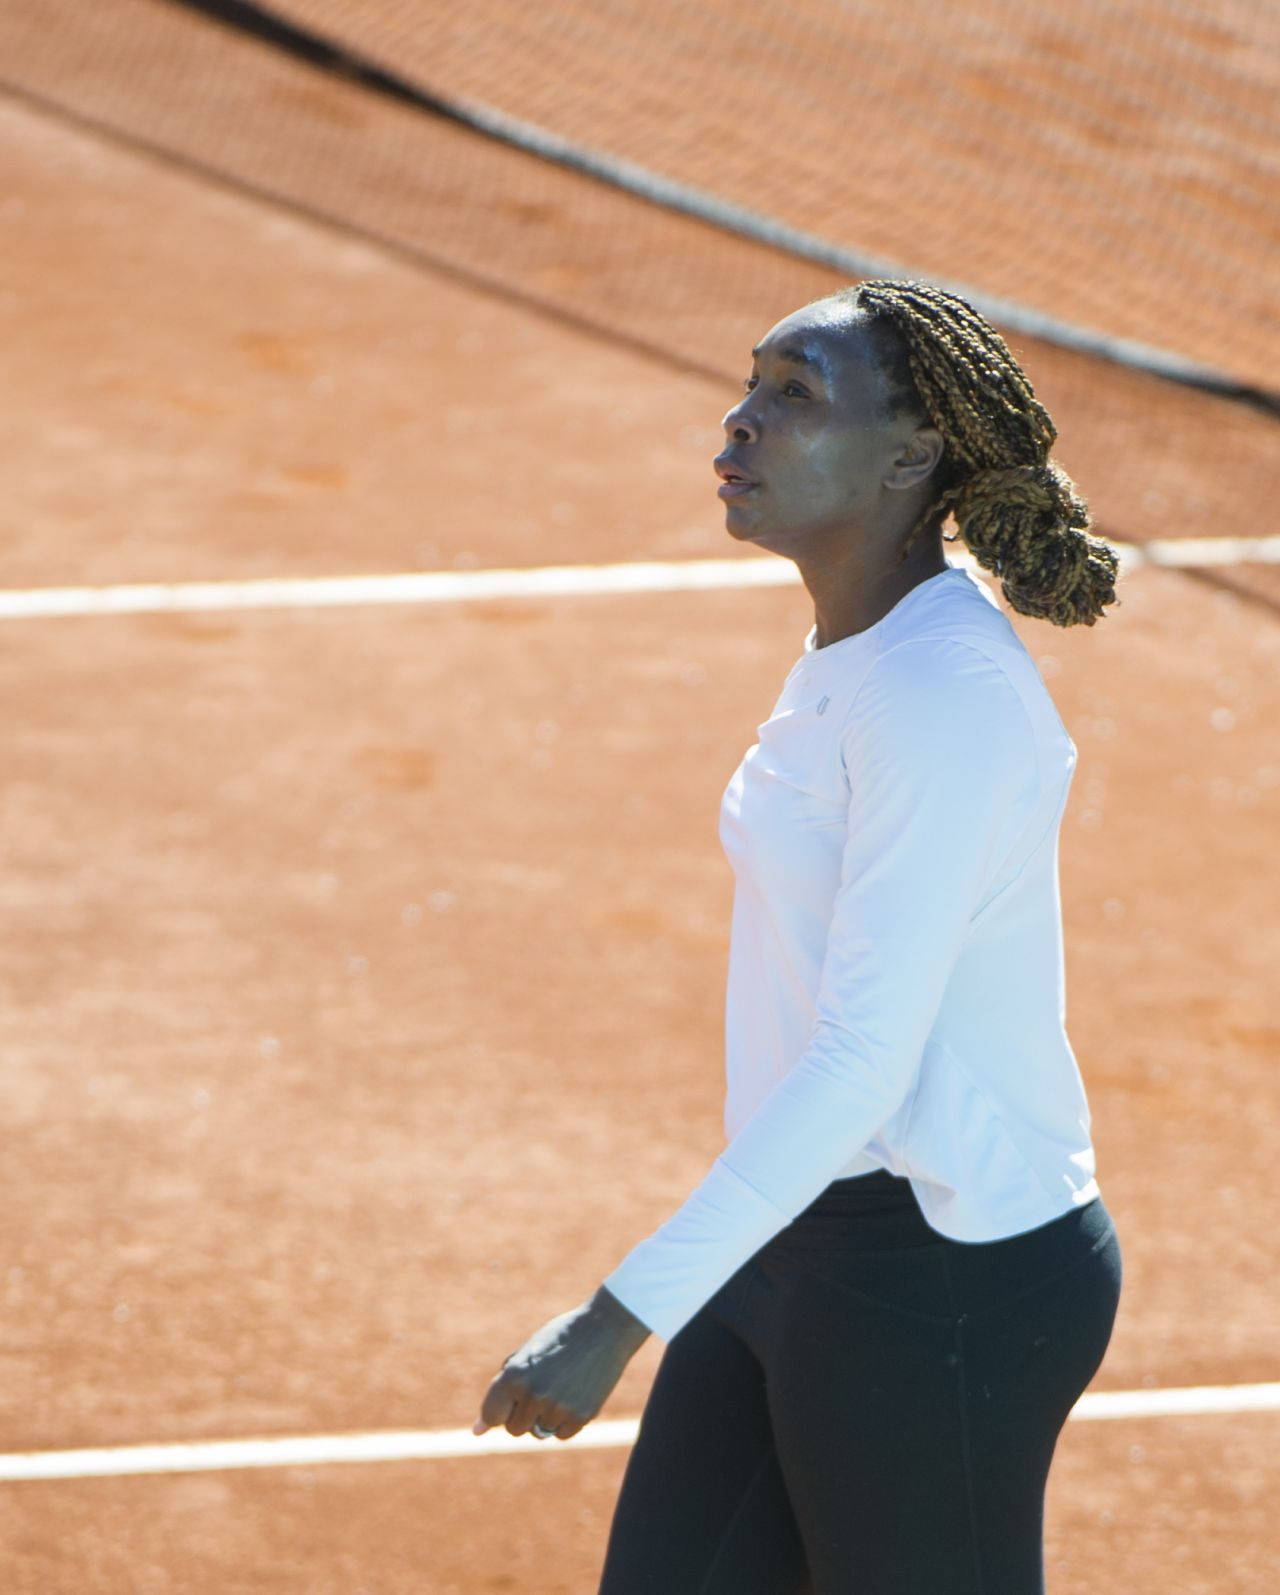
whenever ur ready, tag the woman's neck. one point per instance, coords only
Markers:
(849, 598)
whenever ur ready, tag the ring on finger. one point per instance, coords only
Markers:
(542, 1434)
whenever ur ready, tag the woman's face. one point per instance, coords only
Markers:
(808, 446)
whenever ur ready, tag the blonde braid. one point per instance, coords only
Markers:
(1019, 512)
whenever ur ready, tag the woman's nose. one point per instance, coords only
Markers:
(739, 426)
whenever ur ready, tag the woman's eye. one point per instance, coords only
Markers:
(792, 390)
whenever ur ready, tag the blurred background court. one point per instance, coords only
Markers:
(363, 962)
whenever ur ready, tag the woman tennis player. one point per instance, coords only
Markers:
(885, 1297)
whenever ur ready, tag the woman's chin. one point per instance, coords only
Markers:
(745, 528)
(749, 529)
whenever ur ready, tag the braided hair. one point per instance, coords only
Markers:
(1018, 511)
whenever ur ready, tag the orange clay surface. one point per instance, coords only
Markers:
(362, 968)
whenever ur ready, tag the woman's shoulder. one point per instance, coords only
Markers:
(960, 638)
(948, 657)
(960, 671)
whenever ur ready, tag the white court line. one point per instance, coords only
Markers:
(431, 1444)
(1185, 552)
(413, 587)
(548, 581)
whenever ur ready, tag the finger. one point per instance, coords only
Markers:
(547, 1414)
(562, 1422)
(525, 1410)
(571, 1422)
(499, 1403)
(514, 1409)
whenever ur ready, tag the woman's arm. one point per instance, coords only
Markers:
(943, 772)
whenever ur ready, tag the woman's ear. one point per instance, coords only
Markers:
(916, 458)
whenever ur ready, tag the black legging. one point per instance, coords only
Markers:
(867, 1408)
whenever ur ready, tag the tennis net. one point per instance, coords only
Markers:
(678, 176)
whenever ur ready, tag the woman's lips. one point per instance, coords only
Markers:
(733, 482)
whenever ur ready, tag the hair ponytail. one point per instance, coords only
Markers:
(1029, 526)
(1019, 512)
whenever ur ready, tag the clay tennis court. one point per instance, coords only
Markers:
(363, 964)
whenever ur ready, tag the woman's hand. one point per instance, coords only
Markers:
(563, 1373)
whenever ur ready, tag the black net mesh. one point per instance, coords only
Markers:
(1103, 166)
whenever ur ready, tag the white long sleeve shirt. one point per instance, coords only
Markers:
(896, 991)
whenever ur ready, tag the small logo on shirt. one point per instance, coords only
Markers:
(822, 704)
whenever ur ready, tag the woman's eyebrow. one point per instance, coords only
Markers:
(795, 354)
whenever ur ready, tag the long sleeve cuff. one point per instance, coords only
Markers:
(666, 1277)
